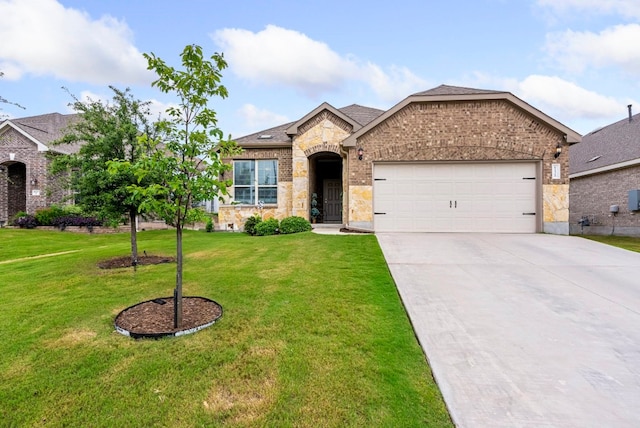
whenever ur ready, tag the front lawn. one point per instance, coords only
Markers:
(626, 242)
(313, 335)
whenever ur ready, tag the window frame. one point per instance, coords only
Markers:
(254, 186)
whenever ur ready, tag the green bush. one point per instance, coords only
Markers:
(267, 227)
(209, 225)
(251, 223)
(294, 224)
(47, 216)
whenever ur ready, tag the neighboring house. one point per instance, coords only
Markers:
(25, 182)
(449, 159)
(605, 177)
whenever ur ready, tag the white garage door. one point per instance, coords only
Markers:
(473, 197)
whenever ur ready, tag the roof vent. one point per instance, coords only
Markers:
(630, 114)
(593, 159)
(265, 137)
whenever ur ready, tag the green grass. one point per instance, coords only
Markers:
(626, 242)
(313, 334)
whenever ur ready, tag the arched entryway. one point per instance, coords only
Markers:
(325, 180)
(13, 189)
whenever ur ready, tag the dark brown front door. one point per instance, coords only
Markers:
(332, 201)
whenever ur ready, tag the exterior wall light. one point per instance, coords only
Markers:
(558, 151)
(360, 153)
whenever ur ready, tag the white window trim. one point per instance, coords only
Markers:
(255, 184)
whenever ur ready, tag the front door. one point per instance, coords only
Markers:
(332, 201)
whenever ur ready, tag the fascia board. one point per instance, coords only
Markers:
(293, 129)
(606, 168)
(41, 147)
(572, 136)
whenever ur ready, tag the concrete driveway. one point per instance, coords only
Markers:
(525, 330)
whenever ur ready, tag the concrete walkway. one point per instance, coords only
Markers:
(525, 330)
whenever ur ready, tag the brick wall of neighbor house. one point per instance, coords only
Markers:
(232, 217)
(462, 131)
(26, 152)
(592, 196)
(3, 194)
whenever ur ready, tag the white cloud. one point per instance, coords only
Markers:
(67, 44)
(392, 86)
(256, 118)
(616, 46)
(626, 8)
(558, 96)
(286, 57)
(555, 96)
(281, 56)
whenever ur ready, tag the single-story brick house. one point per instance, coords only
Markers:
(604, 171)
(449, 159)
(25, 182)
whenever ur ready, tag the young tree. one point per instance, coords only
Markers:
(191, 148)
(107, 132)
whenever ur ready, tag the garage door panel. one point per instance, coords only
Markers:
(455, 197)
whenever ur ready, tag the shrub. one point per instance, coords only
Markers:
(209, 225)
(47, 216)
(76, 220)
(26, 221)
(251, 223)
(267, 227)
(294, 224)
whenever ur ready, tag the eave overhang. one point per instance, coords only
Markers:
(572, 136)
(293, 129)
(9, 124)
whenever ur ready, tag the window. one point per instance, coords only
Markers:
(255, 180)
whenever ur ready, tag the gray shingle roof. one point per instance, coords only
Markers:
(361, 114)
(613, 144)
(456, 90)
(278, 136)
(47, 128)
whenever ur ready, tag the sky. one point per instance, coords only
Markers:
(578, 61)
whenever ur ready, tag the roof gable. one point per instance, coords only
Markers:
(7, 125)
(606, 148)
(444, 93)
(44, 129)
(280, 136)
(293, 129)
(456, 90)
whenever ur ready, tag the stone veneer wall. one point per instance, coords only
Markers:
(236, 215)
(323, 133)
(493, 130)
(591, 196)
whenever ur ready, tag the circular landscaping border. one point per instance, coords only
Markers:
(146, 312)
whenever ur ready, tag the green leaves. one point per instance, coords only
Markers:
(187, 159)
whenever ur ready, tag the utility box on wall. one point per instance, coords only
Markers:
(634, 200)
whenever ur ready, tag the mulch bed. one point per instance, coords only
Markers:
(345, 230)
(125, 261)
(154, 318)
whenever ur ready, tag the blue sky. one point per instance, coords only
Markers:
(576, 60)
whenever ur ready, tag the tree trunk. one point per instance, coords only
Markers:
(177, 294)
(134, 237)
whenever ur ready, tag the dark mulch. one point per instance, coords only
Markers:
(156, 317)
(125, 261)
(345, 230)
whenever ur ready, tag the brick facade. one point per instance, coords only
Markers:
(459, 131)
(479, 129)
(591, 196)
(28, 187)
